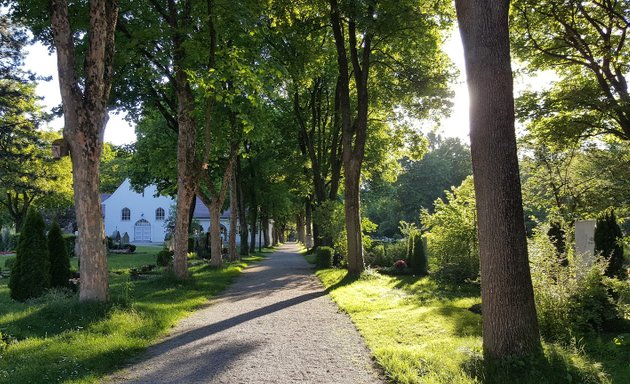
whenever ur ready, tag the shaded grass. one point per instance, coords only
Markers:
(421, 332)
(62, 340)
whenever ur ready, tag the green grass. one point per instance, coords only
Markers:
(62, 340)
(421, 332)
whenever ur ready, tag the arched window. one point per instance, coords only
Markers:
(125, 214)
(159, 214)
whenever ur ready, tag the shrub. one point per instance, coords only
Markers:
(164, 258)
(31, 273)
(608, 241)
(324, 258)
(452, 235)
(70, 241)
(59, 260)
(572, 299)
(130, 247)
(10, 263)
(417, 257)
(379, 256)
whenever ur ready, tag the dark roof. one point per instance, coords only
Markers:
(202, 212)
(105, 196)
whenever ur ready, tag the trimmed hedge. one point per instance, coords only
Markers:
(324, 257)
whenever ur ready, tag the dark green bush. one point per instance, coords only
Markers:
(70, 241)
(324, 257)
(10, 262)
(130, 247)
(59, 260)
(379, 256)
(417, 256)
(164, 258)
(191, 244)
(31, 273)
(607, 241)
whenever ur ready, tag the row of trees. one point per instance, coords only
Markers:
(223, 76)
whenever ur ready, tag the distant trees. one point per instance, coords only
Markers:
(419, 184)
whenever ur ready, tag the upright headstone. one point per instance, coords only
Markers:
(585, 242)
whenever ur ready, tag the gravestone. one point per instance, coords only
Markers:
(585, 242)
(125, 239)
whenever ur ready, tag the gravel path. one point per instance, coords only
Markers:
(275, 324)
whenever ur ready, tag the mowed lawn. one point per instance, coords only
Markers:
(56, 339)
(422, 332)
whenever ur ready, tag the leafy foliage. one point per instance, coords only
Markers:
(452, 234)
(571, 300)
(30, 275)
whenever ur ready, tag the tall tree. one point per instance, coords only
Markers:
(510, 327)
(85, 94)
(388, 50)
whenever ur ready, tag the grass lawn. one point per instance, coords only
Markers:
(420, 332)
(60, 340)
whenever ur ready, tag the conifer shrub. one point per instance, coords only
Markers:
(324, 258)
(31, 273)
(59, 261)
(607, 242)
(417, 256)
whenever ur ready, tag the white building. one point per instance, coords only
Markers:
(143, 215)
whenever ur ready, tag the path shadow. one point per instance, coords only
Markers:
(202, 366)
(188, 337)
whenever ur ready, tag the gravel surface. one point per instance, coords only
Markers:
(275, 324)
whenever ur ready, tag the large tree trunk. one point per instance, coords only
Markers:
(353, 219)
(509, 315)
(85, 116)
(233, 218)
(187, 178)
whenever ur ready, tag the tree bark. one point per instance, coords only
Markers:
(509, 314)
(85, 116)
(233, 218)
(254, 219)
(309, 225)
(244, 248)
(265, 232)
(301, 229)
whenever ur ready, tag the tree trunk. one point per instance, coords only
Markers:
(254, 218)
(242, 217)
(187, 178)
(85, 116)
(301, 230)
(216, 257)
(309, 225)
(509, 315)
(233, 219)
(353, 220)
(265, 232)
